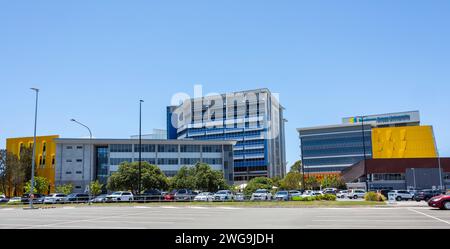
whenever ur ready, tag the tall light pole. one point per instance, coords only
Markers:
(34, 148)
(90, 162)
(140, 145)
(364, 151)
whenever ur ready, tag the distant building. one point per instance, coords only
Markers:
(80, 161)
(254, 119)
(155, 134)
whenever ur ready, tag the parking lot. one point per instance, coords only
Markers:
(192, 217)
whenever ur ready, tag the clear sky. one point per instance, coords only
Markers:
(94, 60)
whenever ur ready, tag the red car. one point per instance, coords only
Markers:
(441, 201)
(170, 196)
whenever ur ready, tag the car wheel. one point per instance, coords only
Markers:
(398, 198)
(355, 197)
(446, 205)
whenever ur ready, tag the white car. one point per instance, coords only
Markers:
(400, 195)
(120, 196)
(205, 196)
(356, 193)
(223, 195)
(309, 193)
(15, 200)
(342, 194)
(55, 198)
(261, 194)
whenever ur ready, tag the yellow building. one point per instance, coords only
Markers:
(403, 142)
(45, 154)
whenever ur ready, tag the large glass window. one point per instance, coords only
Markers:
(167, 161)
(145, 148)
(190, 148)
(121, 148)
(102, 164)
(167, 148)
(212, 148)
(388, 177)
(213, 161)
(118, 161)
(189, 161)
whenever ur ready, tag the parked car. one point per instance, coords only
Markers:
(239, 197)
(330, 191)
(120, 196)
(356, 193)
(282, 196)
(400, 195)
(441, 202)
(99, 199)
(170, 196)
(309, 193)
(426, 194)
(185, 195)
(205, 196)
(261, 194)
(37, 198)
(294, 193)
(54, 198)
(342, 194)
(150, 195)
(15, 200)
(385, 192)
(76, 198)
(3, 199)
(223, 195)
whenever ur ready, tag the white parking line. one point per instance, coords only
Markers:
(141, 207)
(169, 207)
(6, 209)
(229, 208)
(430, 216)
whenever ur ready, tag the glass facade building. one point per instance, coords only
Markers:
(254, 119)
(330, 149)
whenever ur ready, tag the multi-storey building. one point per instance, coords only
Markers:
(80, 161)
(254, 119)
(331, 149)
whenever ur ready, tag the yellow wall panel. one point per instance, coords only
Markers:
(45, 160)
(403, 142)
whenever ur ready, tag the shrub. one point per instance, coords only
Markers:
(326, 197)
(372, 196)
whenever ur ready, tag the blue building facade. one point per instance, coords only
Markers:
(330, 149)
(254, 119)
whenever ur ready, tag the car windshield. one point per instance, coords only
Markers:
(204, 194)
(283, 193)
(261, 191)
(223, 192)
(116, 193)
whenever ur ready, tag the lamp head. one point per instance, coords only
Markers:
(34, 89)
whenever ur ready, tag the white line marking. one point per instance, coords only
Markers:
(169, 207)
(430, 216)
(6, 209)
(141, 207)
(229, 208)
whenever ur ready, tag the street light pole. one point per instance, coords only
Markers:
(34, 148)
(364, 151)
(90, 162)
(140, 145)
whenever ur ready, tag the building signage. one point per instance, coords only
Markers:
(385, 119)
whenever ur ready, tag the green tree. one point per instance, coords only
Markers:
(3, 172)
(332, 181)
(258, 183)
(185, 178)
(41, 185)
(296, 167)
(200, 177)
(293, 180)
(312, 183)
(277, 180)
(95, 188)
(64, 189)
(127, 177)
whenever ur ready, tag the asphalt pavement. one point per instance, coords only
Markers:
(197, 217)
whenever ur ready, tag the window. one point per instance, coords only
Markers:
(167, 148)
(189, 161)
(190, 148)
(121, 148)
(79, 147)
(79, 160)
(388, 177)
(118, 161)
(145, 148)
(69, 147)
(68, 172)
(53, 160)
(77, 187)
(68, 161)
(212, 148)
(212, 160)
(79, 172)
(168, 161)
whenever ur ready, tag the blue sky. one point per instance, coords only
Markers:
(94, 60)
